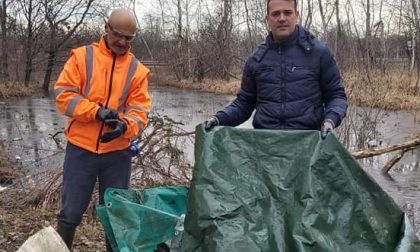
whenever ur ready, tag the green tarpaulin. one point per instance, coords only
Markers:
(272, 190)
(139, 220)
(263, 190)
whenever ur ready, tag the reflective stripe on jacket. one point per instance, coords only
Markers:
(94, 77)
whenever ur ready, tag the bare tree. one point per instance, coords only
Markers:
(325, 14)
(339, 32)
(368, 34)
(179, 25)
(249, 24)
(416, 32)
(308, 17)
(223, 40)
(4, 72)
(32, 12)
(63, 18)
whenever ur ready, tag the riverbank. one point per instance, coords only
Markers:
(390, 90)
(7, 170)
(10, 89)
(377, 88)
(19, 219)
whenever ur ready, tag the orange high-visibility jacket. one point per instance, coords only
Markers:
(94, 77)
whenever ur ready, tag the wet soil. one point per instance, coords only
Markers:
(18, 222)
(19, 219)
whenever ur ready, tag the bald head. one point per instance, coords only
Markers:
(123, 19)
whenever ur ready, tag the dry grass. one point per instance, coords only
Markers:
(19, 220)
(7, 172)
(391, 89)
(163, 76)
(13, 89)
(213, 86)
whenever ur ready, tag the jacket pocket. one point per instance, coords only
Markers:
(265, 74)
(294, 68)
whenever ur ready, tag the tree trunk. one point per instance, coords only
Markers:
(416, 33)
(248, 25)
(48, 72)
(308, 20)
(338, 33)
(224, 36)
(368, 36)
(29, 41)
(323, 19)
(57, 42)
(4, 71)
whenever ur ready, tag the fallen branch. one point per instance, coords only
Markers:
(402, 148)
(413, 144)
(393, 161)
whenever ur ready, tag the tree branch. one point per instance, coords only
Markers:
(413, 144)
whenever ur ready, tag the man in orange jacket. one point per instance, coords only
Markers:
(103, 90)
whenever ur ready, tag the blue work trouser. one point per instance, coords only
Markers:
(81, 171)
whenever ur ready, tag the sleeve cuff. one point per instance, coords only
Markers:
(333, 118)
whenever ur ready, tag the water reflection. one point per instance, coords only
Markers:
(31, 123)
(28, 123)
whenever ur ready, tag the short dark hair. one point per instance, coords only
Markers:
(268, 1)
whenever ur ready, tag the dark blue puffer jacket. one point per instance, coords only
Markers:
(295, 84)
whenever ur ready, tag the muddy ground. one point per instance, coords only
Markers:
(19, 219)
(18, 222)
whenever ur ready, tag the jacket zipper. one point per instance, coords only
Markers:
(282, 104)
(71, 124)
(107, 100)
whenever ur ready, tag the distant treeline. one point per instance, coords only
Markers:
(202, 39)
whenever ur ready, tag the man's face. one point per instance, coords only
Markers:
(119, 38)
(281, 18)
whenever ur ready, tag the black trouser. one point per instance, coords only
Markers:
(81, 171)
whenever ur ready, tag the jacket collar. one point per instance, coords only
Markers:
(299, 37)
(289, 41)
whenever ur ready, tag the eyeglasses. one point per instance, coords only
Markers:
(119, 35)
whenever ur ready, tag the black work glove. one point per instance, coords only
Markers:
(105, 114)
(326, 128)
(211, 122)
(118, 127)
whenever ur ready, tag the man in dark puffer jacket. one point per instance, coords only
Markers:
(292, 80)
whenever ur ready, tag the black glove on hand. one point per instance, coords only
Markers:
(105, 114)
(210, 123)
(326, 128)
(118, 127)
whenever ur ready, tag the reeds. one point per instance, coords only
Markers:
(393, 89)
